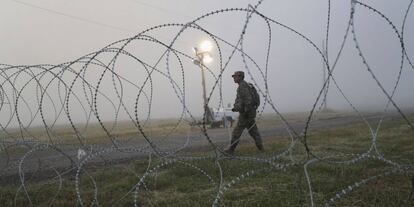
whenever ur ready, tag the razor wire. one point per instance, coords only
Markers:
(61, 91)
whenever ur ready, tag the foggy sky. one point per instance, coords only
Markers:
(58, 31)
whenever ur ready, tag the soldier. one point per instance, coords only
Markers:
(247, 114)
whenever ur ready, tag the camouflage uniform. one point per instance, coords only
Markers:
(247, 114)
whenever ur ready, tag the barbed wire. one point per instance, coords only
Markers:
(95, 87)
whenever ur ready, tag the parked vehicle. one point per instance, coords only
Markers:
(222, 117)
(219, 117)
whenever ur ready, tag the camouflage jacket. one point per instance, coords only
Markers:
(244, 99)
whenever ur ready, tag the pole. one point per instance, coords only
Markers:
(207, 118)
(203, 83)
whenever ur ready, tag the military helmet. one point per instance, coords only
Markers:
(238, 73)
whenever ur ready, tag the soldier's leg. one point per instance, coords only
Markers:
(237, 132)
(254, 132)
(235, 136)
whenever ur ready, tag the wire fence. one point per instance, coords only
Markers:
(57, 95)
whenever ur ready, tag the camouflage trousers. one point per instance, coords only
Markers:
(249, 123)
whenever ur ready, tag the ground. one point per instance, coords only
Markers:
(339, 167)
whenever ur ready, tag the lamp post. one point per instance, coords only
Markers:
(203, 56)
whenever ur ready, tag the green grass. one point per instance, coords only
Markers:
(179, 184)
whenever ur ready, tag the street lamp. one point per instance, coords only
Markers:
(203, 56)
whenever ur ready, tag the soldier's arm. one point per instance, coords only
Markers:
(246, 97)
(238, 105)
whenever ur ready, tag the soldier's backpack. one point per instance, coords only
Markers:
(255, 96)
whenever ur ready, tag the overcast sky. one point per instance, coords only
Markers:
(57, 31)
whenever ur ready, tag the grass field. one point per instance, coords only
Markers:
(93, 133)
(183, 182)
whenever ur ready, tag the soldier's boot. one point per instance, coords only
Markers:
(260, 147)
(229, 151)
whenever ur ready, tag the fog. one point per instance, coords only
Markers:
(59, 31)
